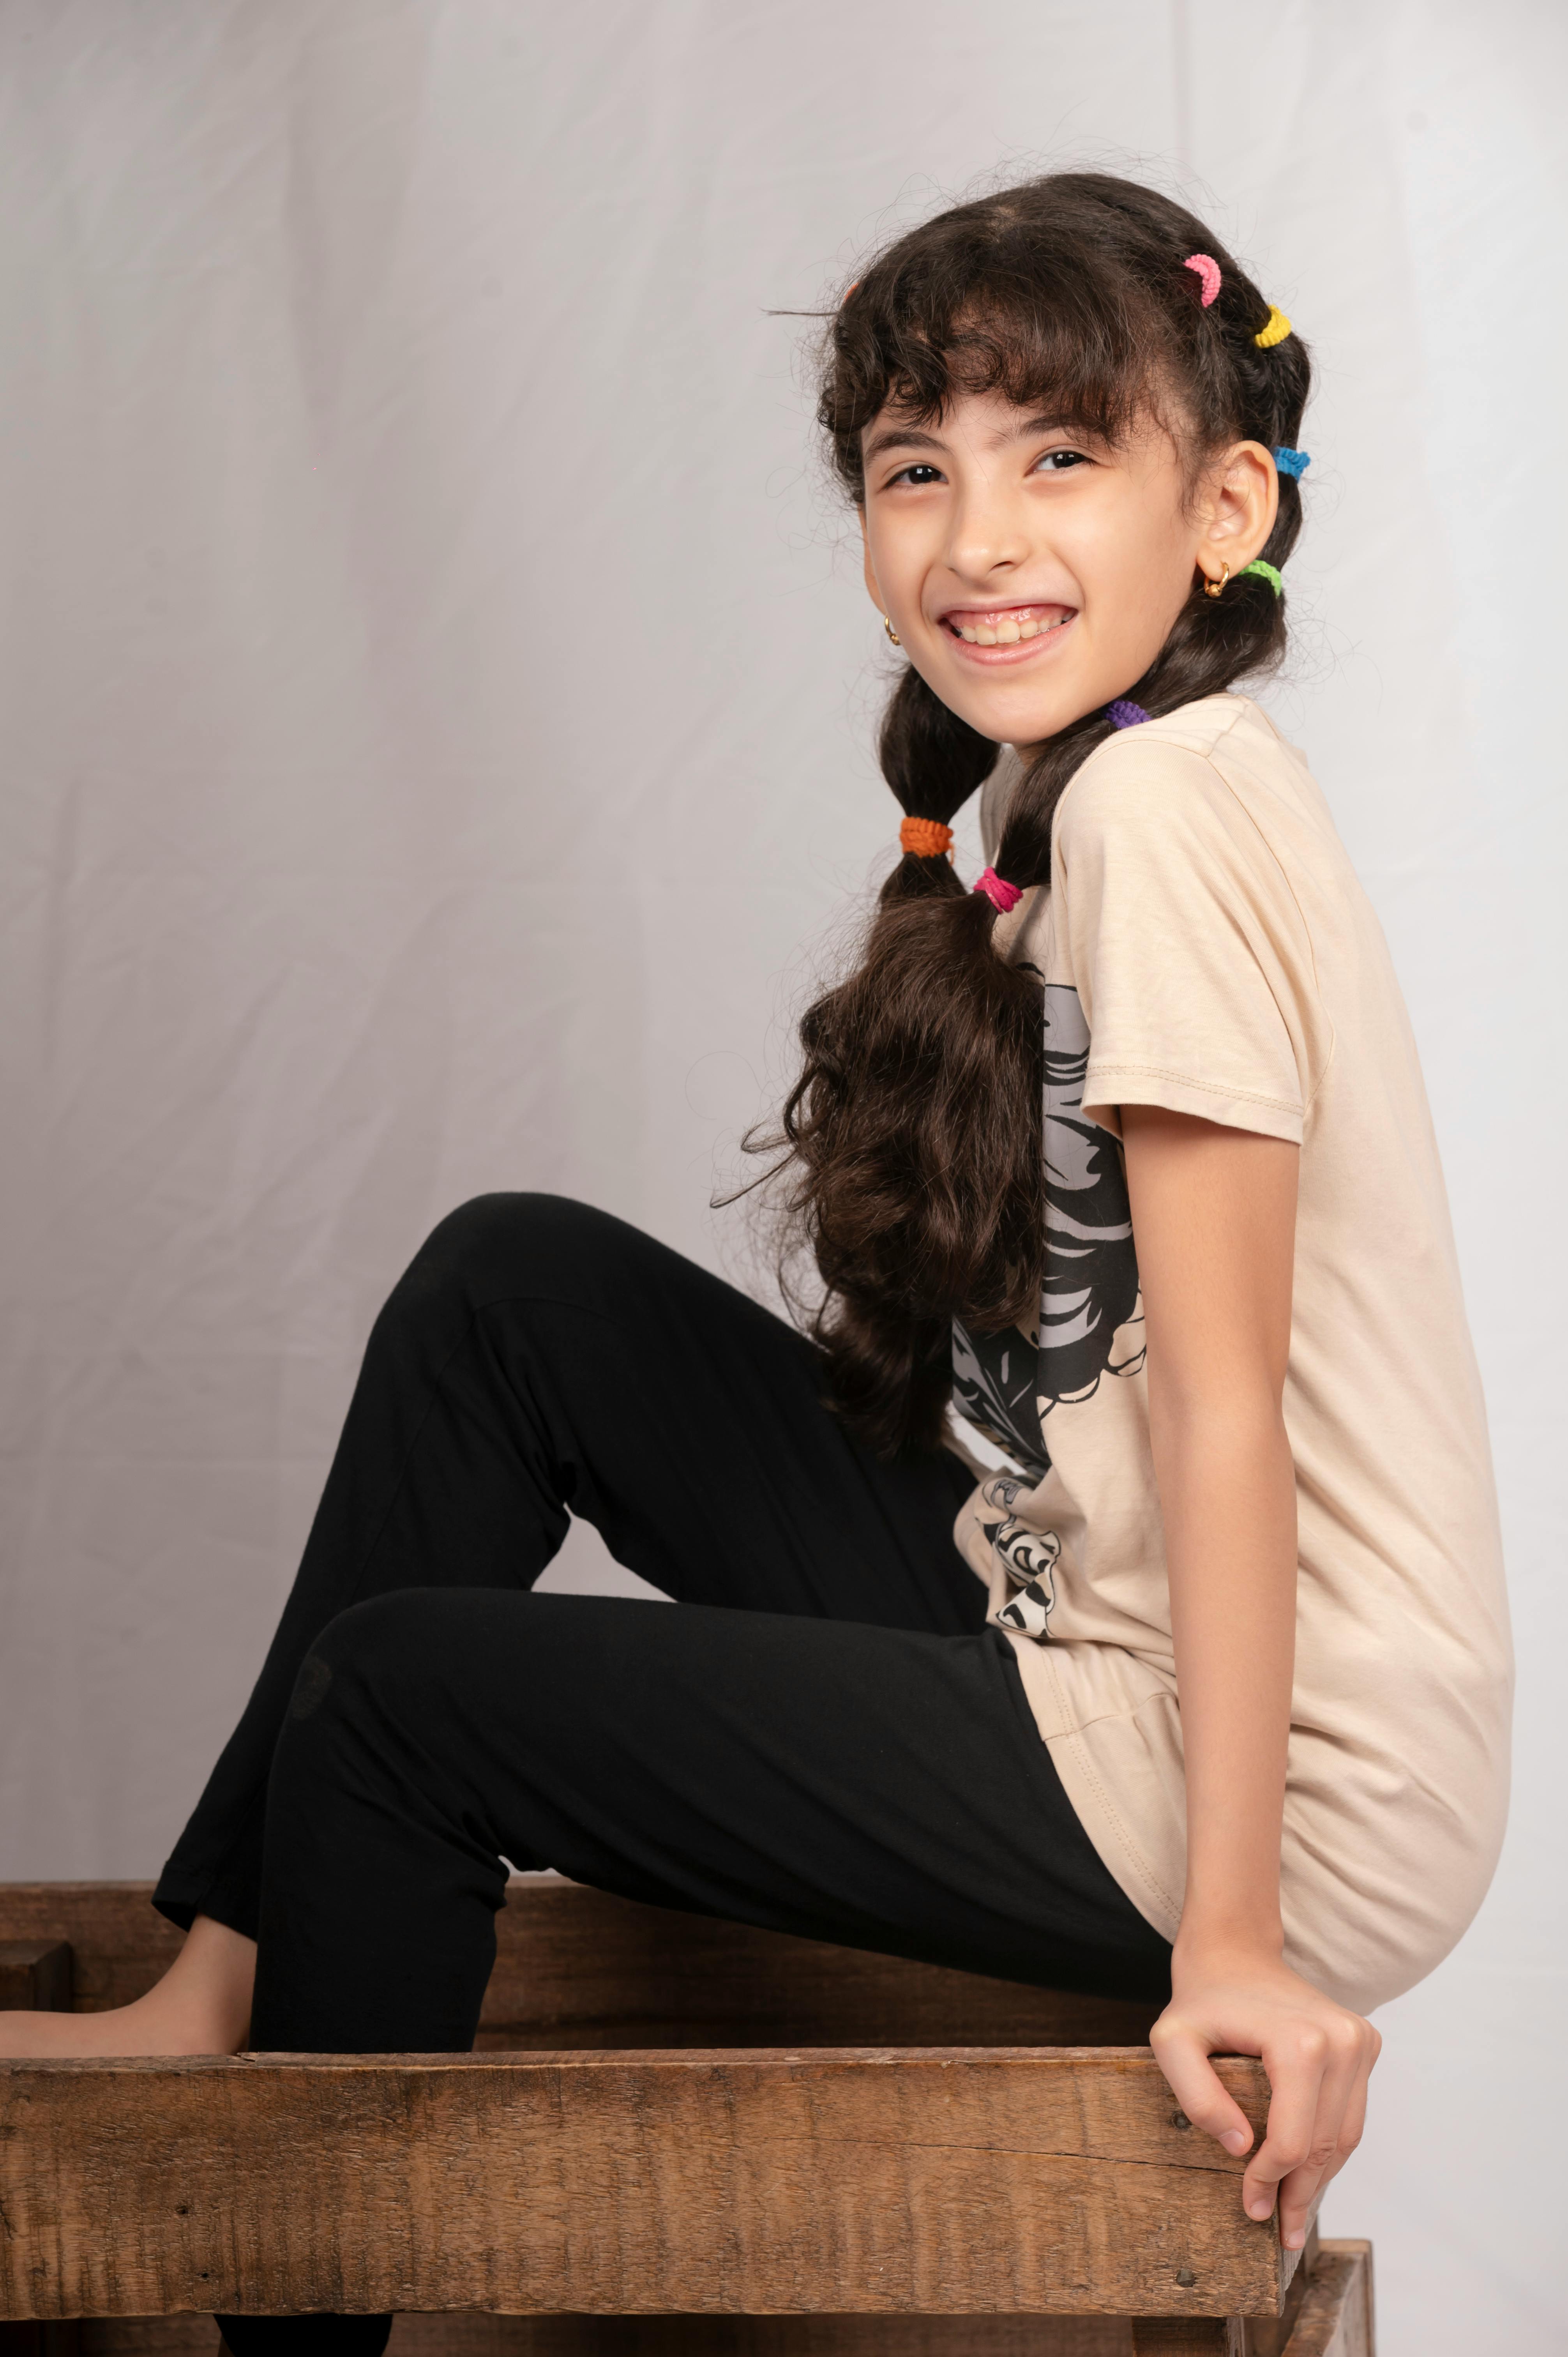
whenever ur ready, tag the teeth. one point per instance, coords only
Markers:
(1007, 632)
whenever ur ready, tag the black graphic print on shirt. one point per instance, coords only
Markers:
(1029, 1558)
(1007, 1384)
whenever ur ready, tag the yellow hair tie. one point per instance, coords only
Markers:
(1274, 329)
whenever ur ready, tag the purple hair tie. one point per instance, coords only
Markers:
(1001, 895)
(1124, 714)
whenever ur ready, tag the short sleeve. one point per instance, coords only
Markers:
(1175, 925)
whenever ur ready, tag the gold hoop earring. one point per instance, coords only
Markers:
(1212, 589)
(892, 633)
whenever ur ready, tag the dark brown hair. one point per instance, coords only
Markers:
(912, 1140)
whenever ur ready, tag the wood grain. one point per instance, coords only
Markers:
(1336, 2318)
(791, 2186)
(916, 2179)
(1340, 2282)
(580, 1968)
(35, 1975)
(1328, 2313)
(119, 1946)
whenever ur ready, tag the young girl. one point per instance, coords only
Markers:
(1206, 1699)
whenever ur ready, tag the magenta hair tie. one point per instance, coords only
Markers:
(1124, 713)
(1001, 895)
(1207, 271)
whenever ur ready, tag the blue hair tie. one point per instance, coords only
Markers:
(1124, 714)
(1293, 462)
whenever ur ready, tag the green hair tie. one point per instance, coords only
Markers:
(1269, 572)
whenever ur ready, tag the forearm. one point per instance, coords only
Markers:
(1227, 1493)
(1214, 1217)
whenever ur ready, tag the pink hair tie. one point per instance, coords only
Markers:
(1207, 271)
(1001, 895)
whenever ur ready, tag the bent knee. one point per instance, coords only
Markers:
(508, 1246)
(388, 1658)
(409, 1669)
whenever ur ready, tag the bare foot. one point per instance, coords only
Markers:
(201, 2005)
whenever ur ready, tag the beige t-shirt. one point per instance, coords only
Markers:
(1205, 945)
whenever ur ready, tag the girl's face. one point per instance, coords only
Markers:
(1033, 574)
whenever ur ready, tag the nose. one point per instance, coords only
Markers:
(988, 537)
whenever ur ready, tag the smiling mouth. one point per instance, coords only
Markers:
(1005, 626)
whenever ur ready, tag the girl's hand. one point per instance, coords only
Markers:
(1318, 2057)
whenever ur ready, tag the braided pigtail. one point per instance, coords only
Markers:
(933, 761)
(899, 1209)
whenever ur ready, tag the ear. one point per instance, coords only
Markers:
(873, 593)
(1236, 514)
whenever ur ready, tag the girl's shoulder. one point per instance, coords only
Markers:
(1180, 774)
(1215, 768)
(1225, 731)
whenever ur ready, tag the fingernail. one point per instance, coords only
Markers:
(1259, 2209)
(1235, 2139)
(1295, 2239)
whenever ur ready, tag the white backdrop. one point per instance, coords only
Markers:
(435, 705)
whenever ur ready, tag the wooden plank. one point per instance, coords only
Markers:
(940, 2182)
(1184, 2336)
(119, 1946)
(1267, 2336)
(1328, 2313)
(1337, 2318)
(1342, 2306)
(150, 2336)
(475, 2335)
(761, 2336)
(580, 1968)
(44, 2340)
(35, 1975)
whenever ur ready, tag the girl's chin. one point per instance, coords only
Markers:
(1014, 710)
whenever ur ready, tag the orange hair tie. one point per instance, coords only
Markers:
(926, 838)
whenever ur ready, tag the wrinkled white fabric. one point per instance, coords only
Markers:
(435, 714)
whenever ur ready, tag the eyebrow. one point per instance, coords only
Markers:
(909, 437)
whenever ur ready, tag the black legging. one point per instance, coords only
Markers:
(823, 1736)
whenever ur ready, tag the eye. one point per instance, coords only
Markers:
(918, 474)
(1056, 462)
